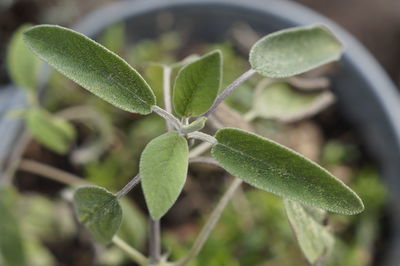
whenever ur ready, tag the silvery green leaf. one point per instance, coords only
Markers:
(92, 66)
(163, 169)
(293, 51)
(270, 166)
(197, 85)
(99, 210)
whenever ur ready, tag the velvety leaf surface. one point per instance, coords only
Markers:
(280, 101)
(315, 241)
(50, 131)
(92, 66)
(163, 169)
(11, 246)
(99, 211)
(272, 167)
(294, 51)
(23, 66)
(197, 85)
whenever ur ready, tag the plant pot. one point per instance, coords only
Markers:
(365, 94)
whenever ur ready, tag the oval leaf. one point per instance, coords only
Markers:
(272, 167)
(315, 240)
(293, 51)
(92, 66)
(99, 210)
(197, 85)
(50, 131)
(163, 169)
(23, 66)
(281, 102)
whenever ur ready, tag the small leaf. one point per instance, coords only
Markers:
(50, 131)
(22, 64)
(272, 167)
(197, 85)
(11, 246)
(196, 125)
(281, 102)
(163, 169)
(315, 241)
(92, 66)
(293, 51)
(99, 210)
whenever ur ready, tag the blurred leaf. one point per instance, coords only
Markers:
(99, 211)
(113, 38)
(314, 240)
(154, 75)
(50, 131)
(38, 254)
(92, 66)
(269, 166)
(294, 51)
(279, 101)
(197, 85)
(163, 169)
(22, 64)
(134, 227)
(11, 245)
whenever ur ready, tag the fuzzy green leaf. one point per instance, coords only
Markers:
(23, 66)
(11, 245)
(293, 51)
(197, 85)
(315, 241)
(99, 210)
(163, 169)
(92, 66)
(272, 167)
(50, 131)
(280, 101)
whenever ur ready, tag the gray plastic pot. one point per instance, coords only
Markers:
(366, 96)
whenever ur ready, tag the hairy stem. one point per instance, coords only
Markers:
(202, 136)
(128, 187)
(167, 90)
(246, 75)
(171, 120)
(74, 180)
(210, 224)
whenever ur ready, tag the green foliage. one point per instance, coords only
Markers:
(114, 38)
(269, 166)
(279, 101)
(99, 211)
(92, 66)
(197, 85)
(23, 66)
(11, 245)
(196, 125)
(294, 51)
(163, 169)
(315, 241)
(51, 131)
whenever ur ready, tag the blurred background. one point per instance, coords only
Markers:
(254, 229)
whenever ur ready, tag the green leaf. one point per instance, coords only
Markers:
(272, 167)
(280, 101)
(23, 66)
(99, 210)
(315, 241)
(92, 66)
(196, 125)
(11, 246)
(163, 169)
(293, 51)
(50, 131)
(197, 85)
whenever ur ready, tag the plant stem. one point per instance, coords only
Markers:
(133, 253)
(199, 149)
(154, 242)
(204, 159)
(246, 75)
(74, 180)
(167, 91)
(202, 136)
(210, 224)
(171, 120)
(128, 187)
